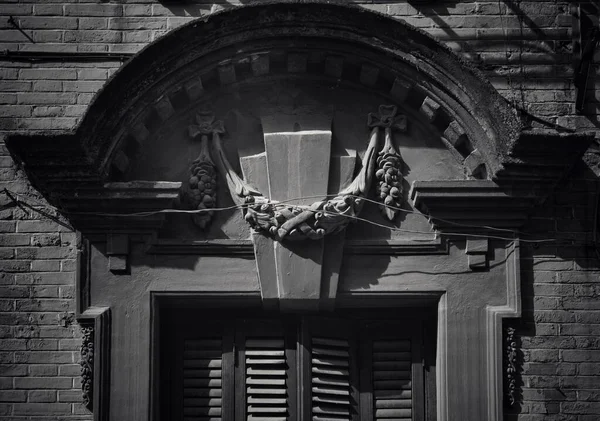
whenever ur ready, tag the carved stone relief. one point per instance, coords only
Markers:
(201, 193)
(280, 219)
(87, 366)
(510, 361)
(389, 161)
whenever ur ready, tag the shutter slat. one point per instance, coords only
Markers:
(393, 365)
(265, 353)
(392, 413)
(193, 402)
(199, 363)
(191, 392)
(330, 362)
(392, 382)
(393, 403)
(331, 389)
(330, 342)
(391, 345)
(265, 361)
(266, 394)
(202, 379)
(330, 371)
(392, 375)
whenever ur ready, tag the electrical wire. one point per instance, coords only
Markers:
(18, 202)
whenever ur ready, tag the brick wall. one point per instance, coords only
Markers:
(525, 49)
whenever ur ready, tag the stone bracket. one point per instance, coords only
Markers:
(117, 250)
(95, 360)
(477, 251)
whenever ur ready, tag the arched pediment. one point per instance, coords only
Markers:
(277, 50)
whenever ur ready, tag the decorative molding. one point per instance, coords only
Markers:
(245, 248)
(117, 250)
(201, 193)
(295, 222)
(494, 343)
(510, 361)
(465, 206)
(389, 162)
(95, 360)
(87, 366)
(477, 251)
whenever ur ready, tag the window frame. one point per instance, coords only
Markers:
(174, 313)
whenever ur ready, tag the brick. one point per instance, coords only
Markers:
(42, 344)
(83, 86)
(46, 74)
(94, 37)
(541, 356)
(52, 239)
(14, 240)
(43, 370)
(42, 409)
(48, 9)
(14, 292)
(43, 305)
(49, 278)
(93, 10)
(69, 396)
(69, 265)
(34, 22)
(581, 355)
(12, 344)
(588, 369)
(579, 329)
(14, 369)
(42, 396)
(43, 357)
(93, 23)
(45, 266)
(46, 98)
(48, 86)
(14, 265)
(45, 252)
(39, 226)
(13, 396)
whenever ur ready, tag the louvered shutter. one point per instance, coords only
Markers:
(392, 377)
(200, 373)
(202, 379)
(266, 380)
(331, 355)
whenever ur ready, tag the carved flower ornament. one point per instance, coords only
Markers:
(295, 222)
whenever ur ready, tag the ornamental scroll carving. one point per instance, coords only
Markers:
(281, 220)
(87, 366)
(510, 361)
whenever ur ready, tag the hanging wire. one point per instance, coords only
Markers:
(21, 203)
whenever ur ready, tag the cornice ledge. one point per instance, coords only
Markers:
(471, 205)
(542, 156)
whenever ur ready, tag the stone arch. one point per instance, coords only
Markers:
(361, 47)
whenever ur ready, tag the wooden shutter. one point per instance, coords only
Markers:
(266, 371)
(198, 372)
(392, 376)
(333, 370)
(202, 379)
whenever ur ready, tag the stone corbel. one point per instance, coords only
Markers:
(95, 360)
(117, 250)
(477, 251)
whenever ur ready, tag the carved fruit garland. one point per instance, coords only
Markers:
(389, 162)
(203, 181)
(87, 365)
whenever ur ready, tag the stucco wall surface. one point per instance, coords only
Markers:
(524, 48)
